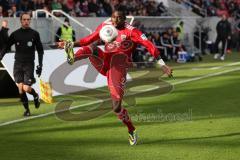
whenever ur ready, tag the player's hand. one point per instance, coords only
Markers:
(39, 70)
(167, 70)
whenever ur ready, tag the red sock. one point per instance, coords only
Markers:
(124, 117)
(82, 53)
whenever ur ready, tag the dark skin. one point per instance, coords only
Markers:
(118, 19)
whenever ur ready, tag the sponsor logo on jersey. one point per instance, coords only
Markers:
(29, 44)
(123, 46)
(126, 45)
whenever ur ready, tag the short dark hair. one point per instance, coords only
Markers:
(118, 9)
(24, 13)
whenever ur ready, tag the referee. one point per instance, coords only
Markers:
(26, 41)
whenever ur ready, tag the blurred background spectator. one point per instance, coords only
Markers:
(132, 7)
(213, 7)
(65, 32)
(81, 8)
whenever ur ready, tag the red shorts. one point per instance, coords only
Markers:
(116, 76)
(114, 66)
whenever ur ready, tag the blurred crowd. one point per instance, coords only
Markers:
(170, 42)
(214, 7)
(81, 8)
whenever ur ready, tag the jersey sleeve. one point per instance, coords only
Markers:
(92, 37)
(39, 48)
(140, 38)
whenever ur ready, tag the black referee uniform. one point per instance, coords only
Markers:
(26, 41)
(223, 33)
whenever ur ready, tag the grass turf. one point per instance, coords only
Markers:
(211, 133)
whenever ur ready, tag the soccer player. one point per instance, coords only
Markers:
(26, 40)
(114, 60)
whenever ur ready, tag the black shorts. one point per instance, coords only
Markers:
(23, 72)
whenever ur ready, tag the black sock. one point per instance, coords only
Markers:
(24, 100)
(33, 92)
(26, 106)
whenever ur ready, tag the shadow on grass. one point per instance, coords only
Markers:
(195, 140)
(66, 129)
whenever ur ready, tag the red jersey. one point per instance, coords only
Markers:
(126, 41)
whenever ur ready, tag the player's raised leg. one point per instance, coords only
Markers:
(95, 55)
(82, 53)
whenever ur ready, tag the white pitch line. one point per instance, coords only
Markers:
(217, 67)
(233, 64)
(96, 102)
(205, 76)
(226, 65)
(47, 114)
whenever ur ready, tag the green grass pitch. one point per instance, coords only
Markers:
(197, 118)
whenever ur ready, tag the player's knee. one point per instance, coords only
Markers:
(83, 52)
(94, 49)
(93, 46)
(27, 88)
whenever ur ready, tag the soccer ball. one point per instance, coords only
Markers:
(108, 33)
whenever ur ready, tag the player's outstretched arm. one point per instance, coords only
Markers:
(166, 69)
(140, 38)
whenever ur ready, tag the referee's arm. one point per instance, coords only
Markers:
(39, 48)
